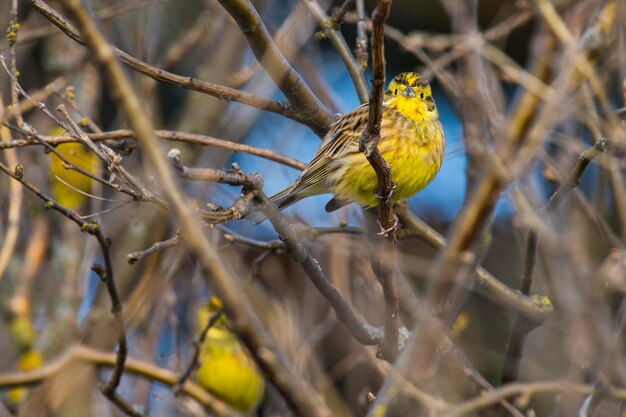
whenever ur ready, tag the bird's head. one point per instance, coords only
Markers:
(212, 307)
(409, 94)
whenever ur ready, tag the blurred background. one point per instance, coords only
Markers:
(50, 299)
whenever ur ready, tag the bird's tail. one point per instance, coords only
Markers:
(285, 198)
(282, 199)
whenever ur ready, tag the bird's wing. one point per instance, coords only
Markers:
(343, 138)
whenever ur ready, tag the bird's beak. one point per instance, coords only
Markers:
(408, 92)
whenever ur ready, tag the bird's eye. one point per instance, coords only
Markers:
(422, 96)
(395, 92)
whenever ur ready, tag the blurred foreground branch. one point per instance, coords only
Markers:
(319, 124)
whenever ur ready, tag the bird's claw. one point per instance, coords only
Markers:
(393, 227)
(386, 198)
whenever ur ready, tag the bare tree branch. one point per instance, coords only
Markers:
(278, 68)
(319, 125)
(386, 216)
(329, 30)
(536, 309)
(133, 366)
(521, 325)
(166, 135)
(104, 272)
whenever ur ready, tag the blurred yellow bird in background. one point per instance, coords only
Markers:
(226, 368)
(69, 187)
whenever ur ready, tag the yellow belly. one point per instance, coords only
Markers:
(228, 372)
(414, 163)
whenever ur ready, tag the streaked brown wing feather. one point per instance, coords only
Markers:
(342, 139)
(343, 136)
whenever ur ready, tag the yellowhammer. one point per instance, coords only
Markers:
(226, 369)
(411, 141)
(69, 187)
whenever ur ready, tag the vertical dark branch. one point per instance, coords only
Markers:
(529, 263)
(106, 275)
(104, 272)
(521, 325)
(386, 216)
(197, 347)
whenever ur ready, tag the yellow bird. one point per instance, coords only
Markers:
(411, 141)
(226, 369)
(28, 361)
(69, 187)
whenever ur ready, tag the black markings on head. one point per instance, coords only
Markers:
(411, 79)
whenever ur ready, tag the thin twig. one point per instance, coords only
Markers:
(12, 33)
(339, 13)
(28, 103)
(124, 406)
(69, 98)
(230, 177)
(157, 246)
(330, 31)
(315, 232)
(197, 346)
(231, 236)
(573, 179)
(112, 161)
